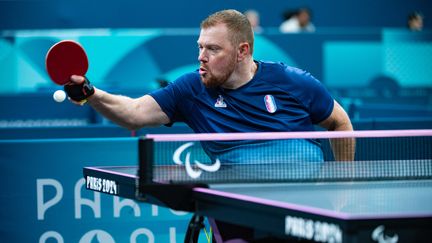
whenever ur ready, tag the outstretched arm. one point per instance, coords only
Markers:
(343, 148)
(127, 112)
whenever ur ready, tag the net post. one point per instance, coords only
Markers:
(157, 192)
(146, 160)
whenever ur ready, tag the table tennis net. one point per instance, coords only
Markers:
(285, 157)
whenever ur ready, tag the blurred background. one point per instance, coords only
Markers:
(363, 51)
(375, 57)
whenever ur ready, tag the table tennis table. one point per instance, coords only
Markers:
(338, 211)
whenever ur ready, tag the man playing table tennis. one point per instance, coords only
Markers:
(230, 92)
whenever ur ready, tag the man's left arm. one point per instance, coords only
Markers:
(343, 148)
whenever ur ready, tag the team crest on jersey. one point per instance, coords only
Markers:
(220, 102)
(270, 103)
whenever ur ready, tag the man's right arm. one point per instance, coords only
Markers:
(125, 111)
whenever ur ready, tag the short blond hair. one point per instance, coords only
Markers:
(237, 23)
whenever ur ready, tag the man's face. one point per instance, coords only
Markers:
(303, 18)
(217, 56)
(416, 23)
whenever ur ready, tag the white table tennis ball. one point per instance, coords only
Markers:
(59, 96)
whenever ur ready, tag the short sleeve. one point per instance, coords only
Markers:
(313, 95)
(166, 98)
(172, 98)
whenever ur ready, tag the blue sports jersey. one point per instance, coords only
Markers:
(278, 98)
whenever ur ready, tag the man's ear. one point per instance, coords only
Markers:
(243, 51)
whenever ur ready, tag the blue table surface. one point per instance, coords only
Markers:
(361, 199)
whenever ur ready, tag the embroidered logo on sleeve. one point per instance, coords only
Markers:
(270, 103)
(220, 102)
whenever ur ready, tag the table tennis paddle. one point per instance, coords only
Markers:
(66, 58)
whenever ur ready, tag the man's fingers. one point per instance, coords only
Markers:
(75, 79)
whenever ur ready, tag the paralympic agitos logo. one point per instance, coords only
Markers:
(379, 236)
(193, 170)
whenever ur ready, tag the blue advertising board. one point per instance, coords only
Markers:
(44, 197)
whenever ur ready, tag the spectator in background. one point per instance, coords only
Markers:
(415, 21)
(297, 21)
(254, 19)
